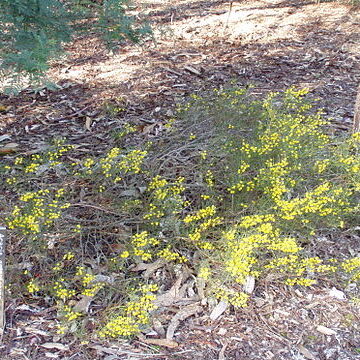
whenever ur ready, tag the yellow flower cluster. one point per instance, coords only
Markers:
(32, 167)
(65, 259)
(92, 291)
(203, 220)
(88, 282)
(352, 266)
(68, 256)
(324, 200)
(286, 245)
(204, 272)
(61, 291)
(70, 314)
(170, 255)
(298, 267)
(162, 189)
(166, 199)
(135, 315)
(352, 163)
(19, 160)
(142, 245)
(114, 164)
(210, 179)
(32, 287)
(107, 163)
(60, 149)
(248, 222)
(50, 157)
(238, 299)
(240, 255)
(321, 165)
(126, 129)
(120, 326)
(11, 180)
(38, 211)
(131, 163)
(201, 214)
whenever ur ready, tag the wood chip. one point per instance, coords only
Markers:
(337, 294)
(88, 123)
(324, 330)
(249, 285)
(218, 310)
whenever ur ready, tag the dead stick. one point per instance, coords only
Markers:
(228, 18)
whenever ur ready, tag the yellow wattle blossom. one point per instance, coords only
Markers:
(135, 314)
(201, 214)
(204, 273)
(32, 287)
(352, 266)
(170, 255)
(38, 211)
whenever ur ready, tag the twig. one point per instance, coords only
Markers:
(96, 207)
(73, 114)
(228, 18)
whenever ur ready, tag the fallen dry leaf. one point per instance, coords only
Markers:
(304, 351)
(174, 294)
(149, 268)
(57, 346)
(8, 148)
(183, 314)
(83, 304)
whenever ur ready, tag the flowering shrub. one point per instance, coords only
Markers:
(285, 180)
(266, 183)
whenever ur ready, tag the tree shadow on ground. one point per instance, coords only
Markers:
(317, 58)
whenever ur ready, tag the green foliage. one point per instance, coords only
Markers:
(280, 177)
(32, 32)
(266, 183)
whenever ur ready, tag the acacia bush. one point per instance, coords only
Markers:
(33, 32)
(266, 182)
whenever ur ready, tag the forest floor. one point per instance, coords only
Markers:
(199, 45)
